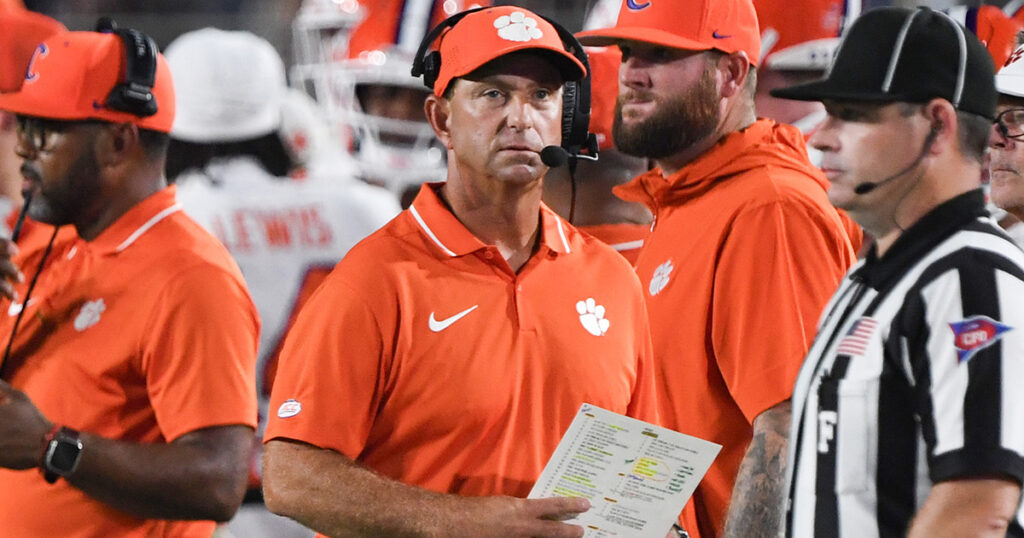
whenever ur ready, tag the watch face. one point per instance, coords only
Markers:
(64, 455)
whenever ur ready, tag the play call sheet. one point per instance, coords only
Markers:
(636, 475)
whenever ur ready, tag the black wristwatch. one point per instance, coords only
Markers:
(61, 455)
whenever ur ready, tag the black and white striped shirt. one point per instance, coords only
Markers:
(916, 377)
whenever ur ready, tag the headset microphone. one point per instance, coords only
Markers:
(554, 156)
(868, 186)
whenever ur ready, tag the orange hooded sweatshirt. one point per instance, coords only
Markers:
(744, 254)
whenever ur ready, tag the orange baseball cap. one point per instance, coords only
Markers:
(493, 32)
(23, 31)
(604, 90)
(71, 74)
(725, 25)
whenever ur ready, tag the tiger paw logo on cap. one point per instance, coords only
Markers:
(517, 27)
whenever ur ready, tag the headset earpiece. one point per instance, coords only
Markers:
(576, 100)
(134, 93)
(932, 135)
(431, 68)
(428, 64)
(570, 102)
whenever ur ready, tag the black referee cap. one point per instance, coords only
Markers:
(912, 55)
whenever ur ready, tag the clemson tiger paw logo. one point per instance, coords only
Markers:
(517, 27)
(592, 317)
(89, 315)
(660, 278)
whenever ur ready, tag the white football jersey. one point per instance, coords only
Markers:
(285, 234)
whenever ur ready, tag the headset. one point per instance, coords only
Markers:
(134, 92)
(576, 136)
(958, 90)
(868, 186)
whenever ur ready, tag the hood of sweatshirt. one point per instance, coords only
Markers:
(762, 143)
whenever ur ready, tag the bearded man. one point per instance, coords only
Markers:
(744, 253)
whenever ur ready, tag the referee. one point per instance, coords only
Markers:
(908, 414)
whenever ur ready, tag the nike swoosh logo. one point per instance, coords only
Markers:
(631, 4)
(438, 326)
(716, 35)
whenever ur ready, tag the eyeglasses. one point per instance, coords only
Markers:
(36, 131)
(1010, 123)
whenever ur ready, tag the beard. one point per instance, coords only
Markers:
(675, 125)
(63, 202)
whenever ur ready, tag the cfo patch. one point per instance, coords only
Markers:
(975, 334)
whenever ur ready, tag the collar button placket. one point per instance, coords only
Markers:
(517, 301)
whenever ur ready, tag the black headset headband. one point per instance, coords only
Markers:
(575, 95)
(423, 65)
(134, 93)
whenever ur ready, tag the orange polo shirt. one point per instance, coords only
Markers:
(625, 238)
(745, 251)
(427, 358)
(142, 335)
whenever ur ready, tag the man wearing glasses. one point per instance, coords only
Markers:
(23, 30)
(1006, 145)
(127, 391)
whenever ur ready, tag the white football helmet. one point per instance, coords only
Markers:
(356, 63)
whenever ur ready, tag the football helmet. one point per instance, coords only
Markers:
(992, 27)
(803, 37)
(356, 64)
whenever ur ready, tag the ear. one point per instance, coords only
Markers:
(437, 110)
(944, 125)
(733, 70)
(116, 144)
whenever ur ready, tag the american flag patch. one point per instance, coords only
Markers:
(856, 341)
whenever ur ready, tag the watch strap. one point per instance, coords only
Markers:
(47, 439)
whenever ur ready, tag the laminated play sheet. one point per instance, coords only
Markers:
(636, 475)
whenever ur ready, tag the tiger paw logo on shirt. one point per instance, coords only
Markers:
(592, 317)
(90, 314)
(660, 278)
